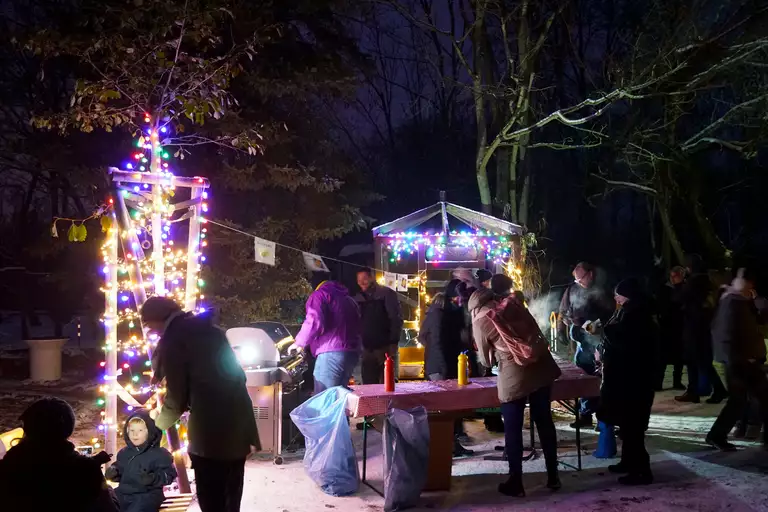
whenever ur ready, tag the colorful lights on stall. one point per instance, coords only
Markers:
(142, 257)
(494, 246)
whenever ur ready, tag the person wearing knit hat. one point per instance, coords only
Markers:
(200, 367)
(44, 471)
(49, 418)
(483, 277)
(627, 389)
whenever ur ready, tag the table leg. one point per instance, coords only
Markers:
(578, 434)
(365, 447)
(440, 452)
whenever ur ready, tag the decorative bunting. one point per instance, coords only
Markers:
(264, 251)
(390, 280)
(402, 282)
(314, 262)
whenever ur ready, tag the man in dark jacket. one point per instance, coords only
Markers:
(698, 304)
(382, 321)
(44, 471)
(143, 467)
(203, 376)
(738, 343)
(670, 311)
(585, 300)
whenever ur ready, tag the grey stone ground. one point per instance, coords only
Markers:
(689, 476)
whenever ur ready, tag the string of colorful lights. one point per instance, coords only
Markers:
(494, 246)
(131, 276)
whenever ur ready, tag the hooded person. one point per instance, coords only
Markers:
(44, 471)
(203, 377)
(627, 389)
(739, 345)
(143, 467)
(670, 314)
(332, 332)
(518, 384)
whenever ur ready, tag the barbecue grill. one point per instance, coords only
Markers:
(271, 373)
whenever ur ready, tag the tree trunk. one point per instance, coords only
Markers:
(502, 179)
(480, 118)
(669, 231)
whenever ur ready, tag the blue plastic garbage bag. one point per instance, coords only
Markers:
(329, 458)
(606, 442)
(406, 457)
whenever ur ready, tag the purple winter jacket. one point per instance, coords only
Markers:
(332, 323)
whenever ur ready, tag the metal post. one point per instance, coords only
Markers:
(193, 253)
(110, 339)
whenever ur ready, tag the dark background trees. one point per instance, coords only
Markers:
(626, 133)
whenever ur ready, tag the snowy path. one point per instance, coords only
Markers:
(688, 475)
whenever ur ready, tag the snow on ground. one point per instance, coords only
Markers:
(689, 476)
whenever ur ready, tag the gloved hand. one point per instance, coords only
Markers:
(102, 457)
(146, 478)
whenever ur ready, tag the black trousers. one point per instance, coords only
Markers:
(677, 374)
(706, 368)
(634, 456)
(219, 483)
(541, 414)
(744, 379)
(372, 363)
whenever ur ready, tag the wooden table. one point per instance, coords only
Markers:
(446, 400)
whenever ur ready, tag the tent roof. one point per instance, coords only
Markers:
(472, 218)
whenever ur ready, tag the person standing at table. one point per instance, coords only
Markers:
(585, 300)
(670, 309)
(331, 332)
(518, 384)
(382, 322)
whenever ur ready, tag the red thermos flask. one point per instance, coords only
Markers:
(389, 375)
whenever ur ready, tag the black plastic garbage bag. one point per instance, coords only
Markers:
(329, 458)
(406, 457)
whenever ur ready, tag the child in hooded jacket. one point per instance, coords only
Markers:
(142, 468)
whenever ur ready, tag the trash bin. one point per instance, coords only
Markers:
(329, 458)
(406, 457)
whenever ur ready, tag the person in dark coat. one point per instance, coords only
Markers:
(627, 390)
(442, 359)
(739, 345)
(698, 305)
(203, 376)
(670, 314)
(382, 324)
(585, 300)
(143, 467)
(429, 336)
(44, 471)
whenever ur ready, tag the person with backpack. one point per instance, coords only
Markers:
(507, 334)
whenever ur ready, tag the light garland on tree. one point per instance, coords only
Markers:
(494, 246)
(130, 276)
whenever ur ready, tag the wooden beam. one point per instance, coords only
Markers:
(166, 179)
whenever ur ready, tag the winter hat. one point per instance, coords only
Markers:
(48, 419)
(483, 275)
(629, 288)
(159, 309)
(501, 284)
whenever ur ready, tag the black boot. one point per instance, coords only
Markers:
(688, 397)
(584, 421)
(642, 478)
(513, 486)
(460, 451)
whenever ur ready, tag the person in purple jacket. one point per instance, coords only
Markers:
(332, 333)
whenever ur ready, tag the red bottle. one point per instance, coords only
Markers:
(389, 375)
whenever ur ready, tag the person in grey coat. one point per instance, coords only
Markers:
(738, 344)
